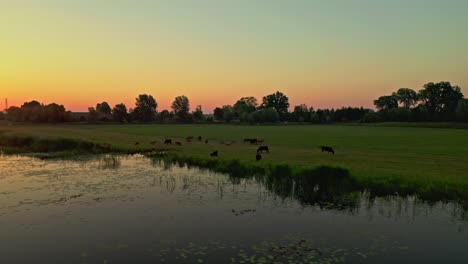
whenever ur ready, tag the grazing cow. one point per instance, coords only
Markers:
(258, 156)
(178, 143)
(168, 141)
(263, 148)
(214, 154)
(254, 141)
(328, 149)
(248, 140)
(199, 138)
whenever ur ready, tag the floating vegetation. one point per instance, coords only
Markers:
(242, 212)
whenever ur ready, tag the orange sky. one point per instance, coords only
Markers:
(321, 53)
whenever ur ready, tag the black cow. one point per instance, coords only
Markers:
(258, 156)
(263, 148)
(168, 141)
(328, 149)
(214, 154)
(199, 138)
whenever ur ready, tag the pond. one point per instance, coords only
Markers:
(131, 209)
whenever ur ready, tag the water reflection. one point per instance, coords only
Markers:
(123, 209)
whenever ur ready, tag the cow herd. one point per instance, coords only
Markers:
(254, 141)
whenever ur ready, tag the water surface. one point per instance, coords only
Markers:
(131, 209)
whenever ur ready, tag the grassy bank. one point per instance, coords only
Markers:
(397, 159)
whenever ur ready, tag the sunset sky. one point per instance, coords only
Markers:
(325, 53)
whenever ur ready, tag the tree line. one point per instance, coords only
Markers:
(440, 101)
(434, 102)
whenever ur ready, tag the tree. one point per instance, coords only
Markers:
(279, 101)
(33, 112)
(462, 110)
(13, 114)
(228, 113)
(441, 98)
(164, 115)
(270, 115)
(301, 113)
(245, 105)
(104, 110)
(93, 115)
(55, 113)
(198, 113)
(407, 97)
(119, 113)
(181, 107)
(218, 113)
(145, 108)
(386, 102)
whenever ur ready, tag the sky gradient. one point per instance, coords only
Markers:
(329, 53)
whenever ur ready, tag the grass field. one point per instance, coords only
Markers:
(431, 158)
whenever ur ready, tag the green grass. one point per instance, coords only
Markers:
(427, 160)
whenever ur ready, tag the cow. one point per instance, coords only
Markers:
(258, 156)
(254, 141)
(260, 140)
(199, 138)
(328, 149)
(168, 141)
(178, 143)
(263, 148)
(189, 138)
(137, 143)
(248, 140)
(214, 154)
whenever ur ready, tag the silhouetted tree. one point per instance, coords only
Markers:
(270, 114)
(386, 102)
(228, 113)
(279, 101)
(93, 115)
(441, 98)
(246, 105)
(145, 108)
(104, 110)
(33, 112)
(301, 113)
(407, 97)
(198, 113)
(181, 107)
(462, 110)
(164, 116)
(218, 113)
(56, 113)
(119, 113)
(13, 114)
